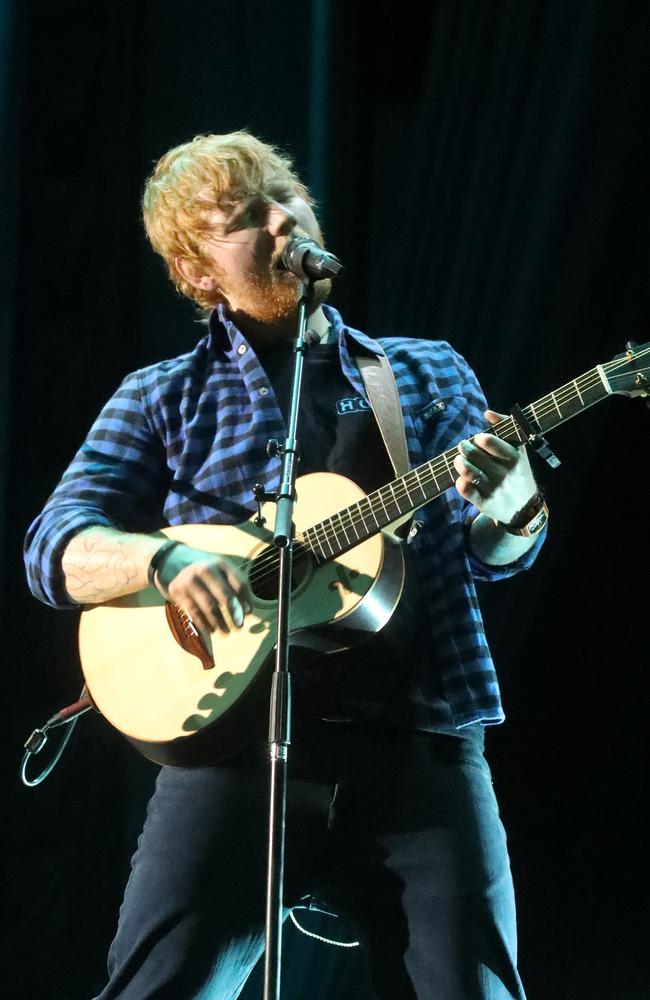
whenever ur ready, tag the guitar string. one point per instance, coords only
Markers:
(555, 401)
(429, 470)
(326, 531)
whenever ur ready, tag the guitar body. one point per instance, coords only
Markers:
(179, 710)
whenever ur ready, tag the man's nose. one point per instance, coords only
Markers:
(280, 220)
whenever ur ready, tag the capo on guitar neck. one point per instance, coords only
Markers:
(533, 437)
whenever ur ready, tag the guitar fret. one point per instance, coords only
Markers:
(417, 474)
(324, 523)
(359, 510)
(369, 508)
(578, 391)
(519, 432)
(381, 497)
(366, 508)
(314, 531)
(556, 404)
(407, 491)
(433, 476)
(339, 515)
(390, 486)
(351, 520)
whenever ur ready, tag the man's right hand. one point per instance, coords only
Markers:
(206, 586)
(102, 563)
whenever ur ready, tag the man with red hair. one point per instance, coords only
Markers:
(392, 819)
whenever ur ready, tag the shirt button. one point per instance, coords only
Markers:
(264, 391)
(242, 349)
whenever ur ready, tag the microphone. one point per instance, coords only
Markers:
(306, 259)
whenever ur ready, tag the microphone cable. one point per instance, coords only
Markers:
(309, 903)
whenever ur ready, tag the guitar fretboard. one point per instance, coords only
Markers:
(362, 520)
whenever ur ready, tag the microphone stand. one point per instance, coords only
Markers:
(280, 703)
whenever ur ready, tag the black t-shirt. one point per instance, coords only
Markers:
(392, 678)
(337, 430)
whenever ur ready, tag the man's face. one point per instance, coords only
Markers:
(244, 245)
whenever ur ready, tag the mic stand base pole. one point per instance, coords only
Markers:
(280, 706)
(273, 952)
(279, 739)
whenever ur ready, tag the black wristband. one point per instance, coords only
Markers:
(158, 557)
(530, 519)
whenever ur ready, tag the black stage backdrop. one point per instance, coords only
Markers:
(482, 172)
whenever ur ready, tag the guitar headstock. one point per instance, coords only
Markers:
(629, 372)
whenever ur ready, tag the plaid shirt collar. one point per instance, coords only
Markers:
(225, 339)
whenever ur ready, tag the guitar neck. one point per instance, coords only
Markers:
(353, 525)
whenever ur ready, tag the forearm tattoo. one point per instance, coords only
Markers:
(99, 568)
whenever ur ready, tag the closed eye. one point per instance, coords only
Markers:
(253, 214)
(279, 191)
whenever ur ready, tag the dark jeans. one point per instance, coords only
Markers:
(400, 834)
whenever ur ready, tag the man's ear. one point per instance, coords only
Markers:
(194, 273)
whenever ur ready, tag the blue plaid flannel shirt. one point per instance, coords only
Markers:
(184, 441)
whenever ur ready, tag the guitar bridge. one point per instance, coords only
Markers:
(187, 635)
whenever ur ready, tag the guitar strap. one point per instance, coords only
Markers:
(379, 381)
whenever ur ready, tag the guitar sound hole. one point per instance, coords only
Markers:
(264, 576)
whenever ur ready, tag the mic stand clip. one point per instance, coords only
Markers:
(260, 494)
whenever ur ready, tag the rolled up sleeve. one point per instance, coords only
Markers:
(117, 479)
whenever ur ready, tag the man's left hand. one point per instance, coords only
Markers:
(493, 475)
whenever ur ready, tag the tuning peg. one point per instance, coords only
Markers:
(640, 381)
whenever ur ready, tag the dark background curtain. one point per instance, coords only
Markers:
(482, 172)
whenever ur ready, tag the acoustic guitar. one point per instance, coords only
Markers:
(183, 697)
